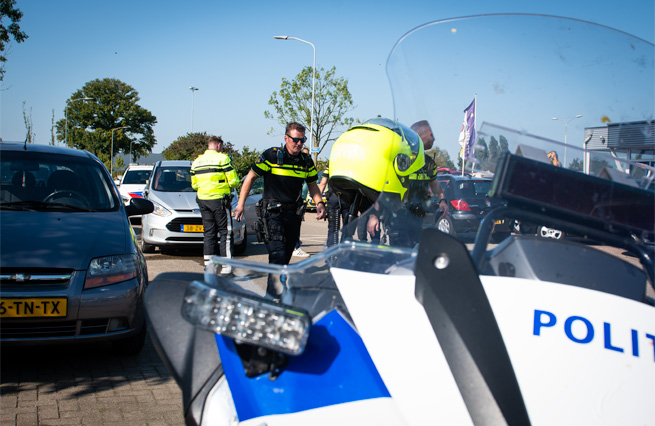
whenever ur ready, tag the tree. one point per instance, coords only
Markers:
(576, 165)
(112, 104)
(187, 147)
(243, 161)
(332, 101)
(14, 14)
(481, 152)
(441, 158)
(190, 146)
(29, 128)
(504, 145)
(53, 140)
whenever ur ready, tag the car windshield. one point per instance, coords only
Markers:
(172, 179)
(40, 181)
(136, 177)
(472, 188)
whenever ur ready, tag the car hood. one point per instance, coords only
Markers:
(175, 200)
(60, 240)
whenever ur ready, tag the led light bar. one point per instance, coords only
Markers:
(246, 319)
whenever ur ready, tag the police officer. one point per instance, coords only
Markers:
(423, 182)
(338, 211)
(406, 224)
(284, 170)
(212, 176)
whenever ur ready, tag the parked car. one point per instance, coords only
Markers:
(176, 219)
(467, 204)
(134, 180)
(70, 266)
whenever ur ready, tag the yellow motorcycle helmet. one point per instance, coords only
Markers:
(373, 157)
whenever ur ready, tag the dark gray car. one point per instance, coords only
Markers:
(468, 203)
(70, 266)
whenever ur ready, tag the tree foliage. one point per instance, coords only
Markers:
(576, 165)
(190, 146)
(7, 10)
(441, 158)
(29, 127)
(187, 147)
(243, 161)
(332, 101)
(113, 105)
(487, 156)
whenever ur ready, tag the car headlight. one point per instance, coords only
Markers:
(246, 319)
(160, 210)
(109, 270)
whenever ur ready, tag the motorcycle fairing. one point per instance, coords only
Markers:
(449, 289)
(335, 366)
(563, 341)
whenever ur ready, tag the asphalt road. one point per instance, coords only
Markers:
(88, 385)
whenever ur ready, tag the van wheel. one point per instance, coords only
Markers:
(147, 248)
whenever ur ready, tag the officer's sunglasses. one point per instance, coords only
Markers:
(296, 140)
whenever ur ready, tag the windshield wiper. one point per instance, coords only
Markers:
(40, 205)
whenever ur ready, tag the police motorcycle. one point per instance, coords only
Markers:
(528, 331)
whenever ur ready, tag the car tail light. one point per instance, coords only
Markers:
(460, 205)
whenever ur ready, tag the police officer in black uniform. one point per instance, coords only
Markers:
(284, 170)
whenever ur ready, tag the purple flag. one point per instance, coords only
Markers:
(467, 135)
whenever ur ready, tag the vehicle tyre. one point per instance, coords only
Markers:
(147, 248)
(131, 345)
(241, 248)
(445, 224)
(545, 232)
(498, 237)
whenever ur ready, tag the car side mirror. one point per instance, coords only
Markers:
(139, 206)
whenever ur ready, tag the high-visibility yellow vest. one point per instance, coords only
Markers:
(212, 175)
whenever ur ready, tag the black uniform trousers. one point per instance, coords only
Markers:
(217, 224)
(284, 232)
(337, 210)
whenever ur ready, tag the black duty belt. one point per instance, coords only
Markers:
(282, 206)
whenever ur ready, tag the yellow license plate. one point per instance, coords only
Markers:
(498, 222)
(33, 307)
(192, 228)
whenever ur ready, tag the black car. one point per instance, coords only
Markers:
(467, 204)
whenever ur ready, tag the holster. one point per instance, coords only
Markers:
(261, 224)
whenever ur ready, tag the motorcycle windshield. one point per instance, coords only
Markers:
(560, 92)
(580, 92)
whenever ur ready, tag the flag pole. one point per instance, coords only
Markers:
(472, 133)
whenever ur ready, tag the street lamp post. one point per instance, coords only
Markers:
(67, 102)
(111, 154)
(311, 114)
(193, 92)
(566, 125)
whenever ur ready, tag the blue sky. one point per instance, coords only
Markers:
(226, 49)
